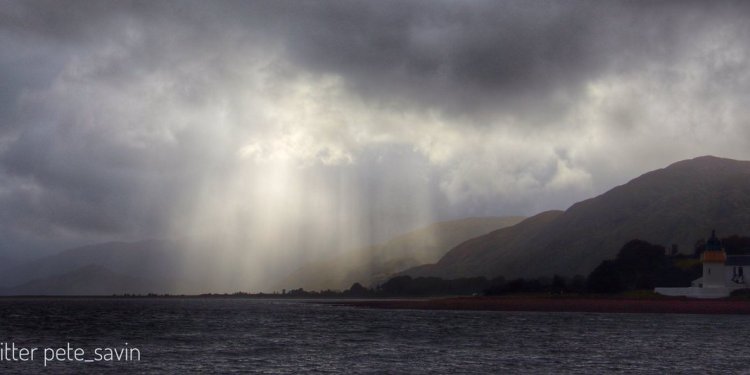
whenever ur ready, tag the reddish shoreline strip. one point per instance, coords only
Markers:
(602, 305)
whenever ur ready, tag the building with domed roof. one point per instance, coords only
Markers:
(722, 273)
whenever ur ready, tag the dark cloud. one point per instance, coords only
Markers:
(468, 57)
(116, 117)
(476, 58)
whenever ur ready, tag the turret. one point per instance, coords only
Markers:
(713, 259)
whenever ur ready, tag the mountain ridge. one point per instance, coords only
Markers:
(172, 268)
(677, 204)
(374, 264)
(137, 259)
(91, 279)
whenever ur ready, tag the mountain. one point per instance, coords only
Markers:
(373, 264)
(677, 205)
(176, 267)
(87, 280)
(155, 260)
(7, 262)
(160, 266)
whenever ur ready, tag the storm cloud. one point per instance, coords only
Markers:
(327, 125)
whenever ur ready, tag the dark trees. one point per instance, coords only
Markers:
(605, 278)
(640, 265)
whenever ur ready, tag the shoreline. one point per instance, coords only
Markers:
(519, 303)
(566, 304)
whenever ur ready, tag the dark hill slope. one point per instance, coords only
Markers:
(151, 259)
(87, 280)
(375, 264)
(675, 205)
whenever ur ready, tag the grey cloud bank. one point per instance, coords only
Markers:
(322, 125)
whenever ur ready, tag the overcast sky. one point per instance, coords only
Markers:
(347, 121)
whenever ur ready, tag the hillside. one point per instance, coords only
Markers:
(151, 259)
(675, 205)
(7, 262)
(374, 264)
(87, 280)
(170, 268)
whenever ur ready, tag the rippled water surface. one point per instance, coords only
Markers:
(241, 335)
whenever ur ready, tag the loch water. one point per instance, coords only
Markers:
(213, 335)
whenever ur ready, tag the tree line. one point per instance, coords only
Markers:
(639, 265)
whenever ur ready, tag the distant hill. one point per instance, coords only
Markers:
(177, 267)
(160, 266)
(7, 262)
(376, 263)
(87, 280)
(154, 260)
(675, 205)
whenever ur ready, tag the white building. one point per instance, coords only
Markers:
(722, 274)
